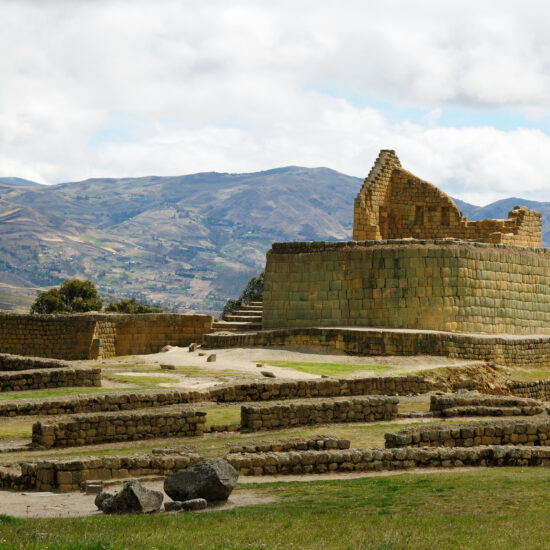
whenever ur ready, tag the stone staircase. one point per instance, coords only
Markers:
(249, 317)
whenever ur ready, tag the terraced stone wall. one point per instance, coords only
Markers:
(317, 411)
(92, 428)
(511, 432)
(424, 285)
(39, 379)
(536, 389)
(483, 405)
(98, 335)
(18, 362)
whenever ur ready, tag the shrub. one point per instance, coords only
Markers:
(73, 296)
(130, 306)
(253, 292)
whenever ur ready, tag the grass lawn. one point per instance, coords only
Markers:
(142, 381)
(330, 369)
(502, 508)
(528, 375)
(56, 392)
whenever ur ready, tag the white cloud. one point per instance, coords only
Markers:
(131, 87)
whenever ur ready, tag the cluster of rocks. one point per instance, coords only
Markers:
(190, 489)
(52, 377)
(122, 426)
(316, 443)
(318, 411)
(473, 404)
(511, 432)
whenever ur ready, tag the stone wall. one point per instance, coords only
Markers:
(483, 405)
(504, 350)
(509, 432)
(536, 389)
(98, 335)
(18, 362)
(93, 428)
(70, 475)
(317, 411)
(376, 460)
(395, 204)
(255, 391)
(312, 443)
(426, 285)
(39, 379)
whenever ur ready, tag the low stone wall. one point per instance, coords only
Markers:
(69, 475)
(510, 432)
(503, 350)
(325, 387)
(256, 391)
(483, 405)
(317, 411)
(98, 335)
(10, 362)
(39, 379)
(88, 429)
(367, 460)
(315, 443)
(536, 389)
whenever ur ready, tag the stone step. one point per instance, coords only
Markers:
(251, 308)
(244, 312)
(255, 303)
(243, 318)
(235, 326)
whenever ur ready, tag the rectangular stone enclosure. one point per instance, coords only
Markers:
(438, 285)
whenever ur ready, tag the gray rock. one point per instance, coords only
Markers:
(101, 497)
(210, 479)
(211, 358)
(186, 505)
(192, 346)
(267, 374)
(134, 498)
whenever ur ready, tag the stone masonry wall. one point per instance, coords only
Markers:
(536, 389)
(395, 204)
(376, 460)
(509, 432)
(98, 335)
(69, 475)
(93, 428)
(40, 379)
(503, 350)
(17, 362)
(483, 405)
(256, 391)
(317, 411)
(425, 285)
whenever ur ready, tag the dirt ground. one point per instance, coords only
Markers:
(65, 505)
(75, 504)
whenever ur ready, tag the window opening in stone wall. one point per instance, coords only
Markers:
(445, 216)
(418, 215)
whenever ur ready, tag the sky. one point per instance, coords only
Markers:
(106, 88)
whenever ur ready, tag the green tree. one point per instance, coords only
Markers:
(253, 292)
(73, 296)
(130, 306)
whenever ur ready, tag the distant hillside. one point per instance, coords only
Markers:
(18, 182)
(185, 242)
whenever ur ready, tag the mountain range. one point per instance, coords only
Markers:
(185, 242)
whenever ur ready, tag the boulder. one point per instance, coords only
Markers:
(134, 498)
(210, 479)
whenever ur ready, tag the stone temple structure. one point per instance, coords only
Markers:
(415, 263)
(418, 278)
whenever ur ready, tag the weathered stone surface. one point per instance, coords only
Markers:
(134, 498)
(186, 505)
(211, 479)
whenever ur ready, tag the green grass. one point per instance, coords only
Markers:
(501, 508)
(142, 381)
(330, 369)
(528, 375)
(222, 415)
(16, 427)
